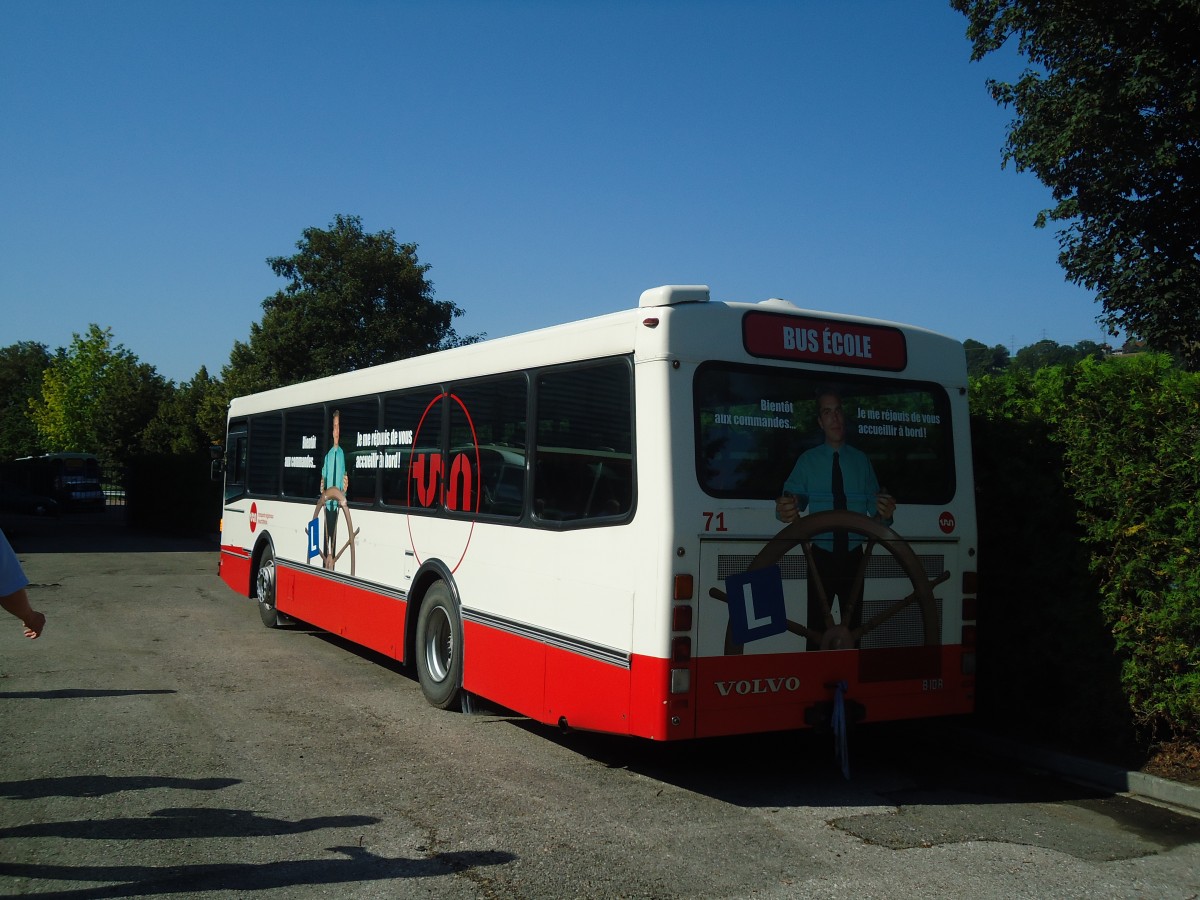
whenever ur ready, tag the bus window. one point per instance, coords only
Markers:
(359, 424)
(753, 422)
(584, 444)
(235, 463)
(262, 472)
(488, 417)
(301, 437)
(411, 427)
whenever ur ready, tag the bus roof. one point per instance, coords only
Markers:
(610, 334)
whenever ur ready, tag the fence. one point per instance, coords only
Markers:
(113, 479)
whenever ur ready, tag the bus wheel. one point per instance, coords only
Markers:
(439, 647)
(265, 589)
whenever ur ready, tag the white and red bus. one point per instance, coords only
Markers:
(579, 523)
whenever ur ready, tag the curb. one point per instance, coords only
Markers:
(1095, 774)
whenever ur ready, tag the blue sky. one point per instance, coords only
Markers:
(550, 159)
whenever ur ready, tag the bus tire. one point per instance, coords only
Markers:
(264, 589)
(440, 647)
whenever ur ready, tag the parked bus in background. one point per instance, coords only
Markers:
(71, 479)
(581, 523)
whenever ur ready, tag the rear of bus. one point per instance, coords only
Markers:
(754, 658)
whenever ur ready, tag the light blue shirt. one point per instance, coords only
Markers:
(12, 576)
(334, 472)
(811, 482)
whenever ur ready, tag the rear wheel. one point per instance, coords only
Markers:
(440, 647)
(264, 588)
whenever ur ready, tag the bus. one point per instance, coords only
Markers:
(581, 524)
(72, 479)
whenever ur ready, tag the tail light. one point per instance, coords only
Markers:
(682, 619)
(681, 650)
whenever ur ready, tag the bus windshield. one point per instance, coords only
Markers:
(753, 422)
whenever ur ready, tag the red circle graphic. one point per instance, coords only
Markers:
(476, 474)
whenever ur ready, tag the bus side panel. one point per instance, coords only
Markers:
(649, 706)
(365, 617)
(589, 694)
(505, 668)
(743, 694)
(234, 568)
(549, 684)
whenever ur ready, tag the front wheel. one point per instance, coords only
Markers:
(440, 647)
(264, 588)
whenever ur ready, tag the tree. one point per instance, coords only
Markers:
(985, 360)
(352, 300)
(1108, 117)
(21, 368)
(1131, 436)
(190, 418)
(96, 397)
(1051, 353)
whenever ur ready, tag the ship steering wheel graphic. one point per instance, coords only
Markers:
(828, 633)
(329, 560)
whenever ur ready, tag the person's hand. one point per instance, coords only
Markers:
(35, 625)
(786, 508)
(885, 504)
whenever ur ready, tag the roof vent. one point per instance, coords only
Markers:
(671, 294)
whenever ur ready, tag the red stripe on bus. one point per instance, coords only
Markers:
(235, 568)
(365, 617)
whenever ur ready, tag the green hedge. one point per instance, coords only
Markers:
(1089, 478)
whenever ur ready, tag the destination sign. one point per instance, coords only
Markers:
(807, 339)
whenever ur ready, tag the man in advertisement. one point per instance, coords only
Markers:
(834, 475)
(333, 475)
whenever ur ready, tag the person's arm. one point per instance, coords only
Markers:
(885, 503)
(885, 506)
(795, 495)
(879, 504)
(17, 603)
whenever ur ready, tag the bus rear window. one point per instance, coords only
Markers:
(753, 422)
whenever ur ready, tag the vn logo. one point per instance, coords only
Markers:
(430, 483)
(756, 607)
(426, 472)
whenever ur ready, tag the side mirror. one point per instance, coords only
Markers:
(216, 469)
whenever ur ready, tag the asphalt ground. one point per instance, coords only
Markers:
(106, 533)
(160, 741)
